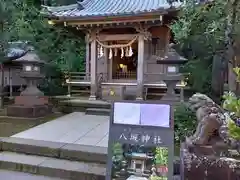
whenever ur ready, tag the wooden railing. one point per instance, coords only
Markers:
(125, 75)
(79, 82)
(77, 76)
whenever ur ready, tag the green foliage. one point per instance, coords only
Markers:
(56, 45)
(161, 156)
(62, 48)
(237, 71)
(5, 26)
(52, 84)
(233, 130)
(199, 78)
(117, 157)
(185, 123)
(117, 152)
(200, 34)
(232, 104)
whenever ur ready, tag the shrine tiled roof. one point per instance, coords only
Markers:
(91, 8)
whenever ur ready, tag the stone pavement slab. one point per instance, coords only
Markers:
(77, 128)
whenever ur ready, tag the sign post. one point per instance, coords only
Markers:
(141, 141)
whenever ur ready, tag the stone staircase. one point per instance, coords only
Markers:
(46, 160)
(52, 159)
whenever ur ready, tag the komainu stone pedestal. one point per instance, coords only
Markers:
(203, 165)
(29, 107)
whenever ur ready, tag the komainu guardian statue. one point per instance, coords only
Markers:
(212, 127)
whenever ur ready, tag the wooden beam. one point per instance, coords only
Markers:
(110, 20)
(116, 37)
(121, 25)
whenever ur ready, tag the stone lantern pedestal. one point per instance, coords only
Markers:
(31, 103)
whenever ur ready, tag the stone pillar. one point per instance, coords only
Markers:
(87, 58)
(140, 67)
(93, 93)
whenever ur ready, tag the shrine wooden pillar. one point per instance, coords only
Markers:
(87, 58)
(93, 76)
(140, 67)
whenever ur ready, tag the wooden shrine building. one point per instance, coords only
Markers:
(123, 38)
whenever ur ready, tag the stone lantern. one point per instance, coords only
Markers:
(172, 62)
(31, 73)
(31, 103)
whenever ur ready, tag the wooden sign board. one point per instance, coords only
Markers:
(141, 141)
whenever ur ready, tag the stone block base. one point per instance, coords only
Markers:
(210, 167)
(116, 92)
(29, 111)
(31, 100)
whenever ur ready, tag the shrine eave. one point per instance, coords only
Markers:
(114, 21)
(109, 20)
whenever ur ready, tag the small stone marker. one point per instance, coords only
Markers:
(141, 141)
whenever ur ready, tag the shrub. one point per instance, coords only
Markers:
(185, 122)
(234, 130)
(232, 104)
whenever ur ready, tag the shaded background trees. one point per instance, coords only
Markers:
(202, 35)
(62, 48)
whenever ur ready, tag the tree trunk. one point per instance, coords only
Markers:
(2, 87)
(217, 76)
(232, 85)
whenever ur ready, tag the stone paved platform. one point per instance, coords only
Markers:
(76, 128)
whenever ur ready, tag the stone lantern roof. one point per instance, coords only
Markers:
(21, 52)
(30, 57)
(171, 57)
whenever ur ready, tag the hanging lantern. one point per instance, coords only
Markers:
(101, 52)
(130, 53)
(110, 54)
(122, 52)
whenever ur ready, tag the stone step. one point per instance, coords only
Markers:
(58, 150)
(12, 175)
(51, 167)
(98, 111)
(71, 105)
